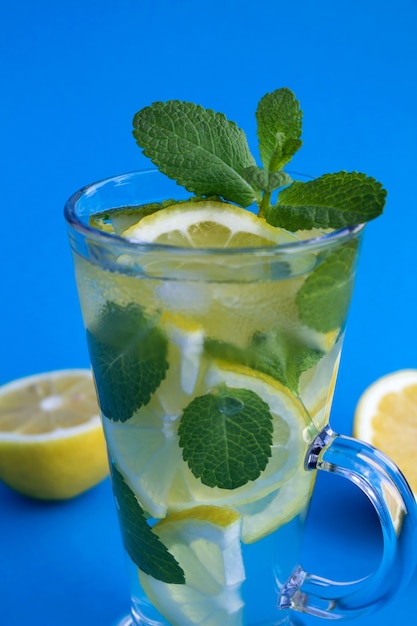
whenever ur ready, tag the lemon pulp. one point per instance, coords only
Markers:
(51, 439)
(206, 224)
(386, 417)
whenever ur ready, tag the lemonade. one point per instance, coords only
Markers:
(215, 336)
(212, 389)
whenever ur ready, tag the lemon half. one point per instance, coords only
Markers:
(51, 440)
(386, 417)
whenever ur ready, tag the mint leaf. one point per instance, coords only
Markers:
(279, 128)
(275, 353)
(226, 437)
(331, 201)
(257, 355)
(200, 149)
(283, 357)
(266, 181)
(323, 300)
(128, 353)
(143, 546)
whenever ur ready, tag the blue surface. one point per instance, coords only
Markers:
(71, 77)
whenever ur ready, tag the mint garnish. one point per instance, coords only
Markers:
(323, 299)
(209, 155)
(143, 546)
(331, 201)
(128, 353)
(200, 149)
(226, 437)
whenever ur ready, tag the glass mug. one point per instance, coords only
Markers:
(215, 370)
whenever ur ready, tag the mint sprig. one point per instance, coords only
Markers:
(128, 353)
(209, 155)
(143, 546)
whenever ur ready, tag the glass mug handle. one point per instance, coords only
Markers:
(382, 482)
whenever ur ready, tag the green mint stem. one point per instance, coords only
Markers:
(265, 202)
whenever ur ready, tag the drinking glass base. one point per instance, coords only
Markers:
(127, 621)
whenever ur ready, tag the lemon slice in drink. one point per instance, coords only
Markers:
(228, 310)
(188, 341)
(146, 448)
(51, 440)
(264, 516)
(208, 224)
(206, 543)
(386, 417)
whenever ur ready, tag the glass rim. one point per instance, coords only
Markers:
(301, 245)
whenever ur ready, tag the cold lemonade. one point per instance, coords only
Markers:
(212, 388)
(214, 325)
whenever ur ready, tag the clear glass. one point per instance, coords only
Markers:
(215, 370)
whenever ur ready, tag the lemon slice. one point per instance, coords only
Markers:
(264, 516)
(51, 439)
(209, 224)
(146, 448)
(227, 310)
(386, 417)
(188, 338)
(317, 387)
(206, 543)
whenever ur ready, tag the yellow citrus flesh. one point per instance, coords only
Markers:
(51, 440)
(386, 417)
(262, 517)
(208, 224)
(206, 543)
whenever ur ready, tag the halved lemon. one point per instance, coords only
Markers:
(208, 224)
(51, 440)
(206, 543)
(386, 417)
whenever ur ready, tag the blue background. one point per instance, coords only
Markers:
(72, 75)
